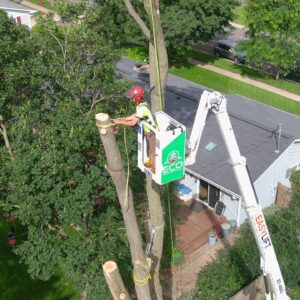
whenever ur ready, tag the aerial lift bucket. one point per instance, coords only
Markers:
(170, 142)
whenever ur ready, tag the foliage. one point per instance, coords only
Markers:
(184, 22)
(69, 12)
(14, 51)
(234, 267)
(15, 282)
(55, 80)
(178, 256)
(188, 22)
(274, 27)
(239, 15)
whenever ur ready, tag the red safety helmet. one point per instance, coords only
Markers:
(136, 93)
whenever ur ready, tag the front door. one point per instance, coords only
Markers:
(209, 194)
(213, 196)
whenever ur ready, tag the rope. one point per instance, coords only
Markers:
(128, 171)
(152, 238)
(156, 55)
(172, 241)
(141, 282)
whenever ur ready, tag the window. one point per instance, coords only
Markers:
(209, 194)
(19, 20)
(225, 47)
(210, 146)
(289, 171)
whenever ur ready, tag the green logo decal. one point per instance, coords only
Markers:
(173, 156)
(173, 160)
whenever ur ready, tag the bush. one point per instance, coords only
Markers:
(234, 267)
(178, 256)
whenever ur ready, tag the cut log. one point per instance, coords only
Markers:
(114, 281)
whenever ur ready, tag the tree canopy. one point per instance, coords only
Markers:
(184, 22)
(53, 81)
(274, 27)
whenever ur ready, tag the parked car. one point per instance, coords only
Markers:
(229, 49)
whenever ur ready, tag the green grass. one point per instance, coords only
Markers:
(47, 4)
(239, 15)
(295, 293)
(230, 86)
(225, 64)
(15, 283)
(138, 53)
(227, 85)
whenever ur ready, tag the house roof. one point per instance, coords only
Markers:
(11, 5)
(254, 125)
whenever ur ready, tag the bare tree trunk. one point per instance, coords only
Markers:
(155, 207)
(157, 226)
(141, 265)
(83, 296)
(114, 281)
(162, 57)
(5, 137)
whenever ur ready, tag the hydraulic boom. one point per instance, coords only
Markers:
(217, 103)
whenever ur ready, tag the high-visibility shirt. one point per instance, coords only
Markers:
(144, 113)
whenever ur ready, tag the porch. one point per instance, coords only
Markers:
(195, 223)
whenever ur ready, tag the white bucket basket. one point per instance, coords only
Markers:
(170, 142)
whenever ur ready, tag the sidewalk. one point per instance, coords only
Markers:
(34, 6)
(245, 79)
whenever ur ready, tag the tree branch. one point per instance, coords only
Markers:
(137, 18)
(61, 46)
(5, 137)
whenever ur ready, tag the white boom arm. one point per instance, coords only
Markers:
(269, 264)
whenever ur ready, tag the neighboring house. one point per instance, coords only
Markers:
(21, 13)
(271, 153)
(267, 137)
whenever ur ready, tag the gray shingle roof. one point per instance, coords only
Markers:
(254, 126)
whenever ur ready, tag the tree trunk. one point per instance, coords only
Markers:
(5, 137)
(157, 224)
(162, 57)
(114, 281)
(83, 296)
(155, 207)
(141, 265)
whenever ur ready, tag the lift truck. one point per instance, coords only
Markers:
(217, 103)
(173, 155)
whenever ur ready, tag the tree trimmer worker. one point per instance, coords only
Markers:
(142, 112)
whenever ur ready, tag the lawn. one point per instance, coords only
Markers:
(243, 70)
(139, 53)
(224, 84)
(295, 293)
(15, 283)
(46, 3)
(227, 85)
(239, 15)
